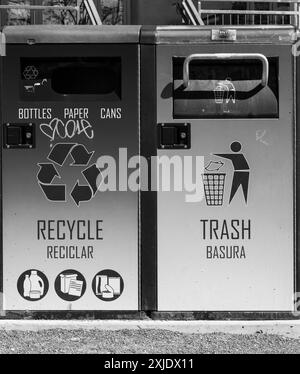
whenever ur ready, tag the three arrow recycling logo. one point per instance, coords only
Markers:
(81, 158)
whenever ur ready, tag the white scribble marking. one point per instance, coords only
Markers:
(260, 136)
(67, 130)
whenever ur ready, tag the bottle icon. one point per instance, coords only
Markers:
(36, 285)
(32, 285)
(26, 286)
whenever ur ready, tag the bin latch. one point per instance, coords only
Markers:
(174, 136)
(19, 135)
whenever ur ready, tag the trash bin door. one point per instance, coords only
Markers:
(231, 247)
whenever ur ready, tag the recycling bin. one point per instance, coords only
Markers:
(70, 121)
(217, 108)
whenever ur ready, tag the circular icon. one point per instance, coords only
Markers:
(30, 72)
(108, 285)
(70, 285)
(33, 285)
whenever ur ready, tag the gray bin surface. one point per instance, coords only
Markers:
(233, 249)
(69, 96)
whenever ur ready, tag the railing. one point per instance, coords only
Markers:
(83, 11)
(211, 16)
(88, 12)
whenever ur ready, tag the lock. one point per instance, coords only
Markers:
(174, 136)
(19, 135)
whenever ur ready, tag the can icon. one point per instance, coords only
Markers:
(214, 185)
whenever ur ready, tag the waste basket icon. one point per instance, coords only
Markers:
(219, 94)
(214, 184)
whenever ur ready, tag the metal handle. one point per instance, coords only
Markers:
(226, 56)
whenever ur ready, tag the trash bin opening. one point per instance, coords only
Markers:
(225, 89)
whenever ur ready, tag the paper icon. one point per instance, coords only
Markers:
(70, 285)
(75, 288)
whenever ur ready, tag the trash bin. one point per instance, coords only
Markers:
(69, 110)
(231, 249)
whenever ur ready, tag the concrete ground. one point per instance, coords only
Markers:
(289, 329)
(150, 337)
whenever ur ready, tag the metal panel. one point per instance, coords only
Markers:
(106, 222)
(72, 34)
(202, 34)
(297, 183)
(193, 274)
(148, 198)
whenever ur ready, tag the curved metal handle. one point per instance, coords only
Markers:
(226, 56)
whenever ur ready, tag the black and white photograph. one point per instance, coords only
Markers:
(149, 180)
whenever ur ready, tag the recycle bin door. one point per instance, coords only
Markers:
(68, 109)
(225, 242)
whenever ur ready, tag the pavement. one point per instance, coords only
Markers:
(289, 329)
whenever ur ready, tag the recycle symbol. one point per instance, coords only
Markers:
(30, 72)
(81, 157)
